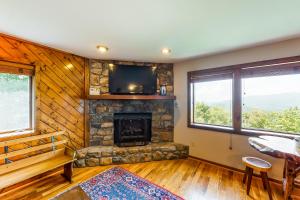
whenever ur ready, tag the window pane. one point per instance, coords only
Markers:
(272, 103)
(213, 102)
(14, 102)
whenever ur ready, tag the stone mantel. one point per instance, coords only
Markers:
(130, 97)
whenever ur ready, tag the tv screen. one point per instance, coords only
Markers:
(128, 79)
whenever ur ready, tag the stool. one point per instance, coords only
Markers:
(259, 165)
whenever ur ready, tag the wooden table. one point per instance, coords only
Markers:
(284, 148)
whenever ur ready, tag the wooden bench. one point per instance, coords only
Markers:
(34, 155)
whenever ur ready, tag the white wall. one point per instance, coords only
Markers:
(214, 146)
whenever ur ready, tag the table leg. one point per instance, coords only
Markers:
(250, 173)
(291, 169)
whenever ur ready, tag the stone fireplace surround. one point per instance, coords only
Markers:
(102, 150)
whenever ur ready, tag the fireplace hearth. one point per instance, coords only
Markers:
(132, 129)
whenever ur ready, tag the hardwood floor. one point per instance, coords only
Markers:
(190, 178)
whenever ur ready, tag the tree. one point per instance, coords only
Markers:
(211, 115)
(13, 83)
(287, 120)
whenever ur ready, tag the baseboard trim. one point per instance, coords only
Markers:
(232, 168)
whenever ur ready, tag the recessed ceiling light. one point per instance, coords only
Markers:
(102, 49)
(166, 51)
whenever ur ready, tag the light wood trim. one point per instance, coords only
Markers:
(86, 102)
(13, 134)
(31, 149)
(19, 71)
(30, 161)
(131, 97)
(16, 68)
(16, 65)
(31, 138)
(36, 96)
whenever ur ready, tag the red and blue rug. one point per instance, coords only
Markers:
(120, 184)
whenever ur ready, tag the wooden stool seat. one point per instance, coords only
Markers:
(257, 164)
(260, 165)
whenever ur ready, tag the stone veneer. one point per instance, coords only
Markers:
(101, 119)
(99, 74)
(101, 111)
(101, 155)
(101, 150)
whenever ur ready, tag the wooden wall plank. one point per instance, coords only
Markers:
(12, 51)
(59, 77)
(72, 66)
(57, 126)
(56, 98)
(61, 119)
(49, 61)
(21, 47)
(3, 54)
(61, 92)
(59, 88)
(76, 121)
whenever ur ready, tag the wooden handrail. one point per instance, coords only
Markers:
(31, 149)
(30, 138)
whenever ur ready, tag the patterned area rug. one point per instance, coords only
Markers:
(118, 184)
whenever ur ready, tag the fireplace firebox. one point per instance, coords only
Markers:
(132, 129)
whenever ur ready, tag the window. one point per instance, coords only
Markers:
(15, 101)
(212, 102)
(248, 98)
(271, 103)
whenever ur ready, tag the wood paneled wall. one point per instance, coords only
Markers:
(60, 79)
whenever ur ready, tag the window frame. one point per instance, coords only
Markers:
(222, 75)
(281, 66)
(27, 70)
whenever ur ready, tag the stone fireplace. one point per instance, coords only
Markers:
(130, 131)
(102, 115)
(101, 112)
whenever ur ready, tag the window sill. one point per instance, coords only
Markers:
(245, 132)
(15, 133)
(250, 132)
(212, 128)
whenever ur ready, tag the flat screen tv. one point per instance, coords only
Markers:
(129, 79)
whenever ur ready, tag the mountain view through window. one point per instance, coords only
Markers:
(271, 103)
(212, 102)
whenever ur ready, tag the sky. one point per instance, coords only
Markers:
(221, 90)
